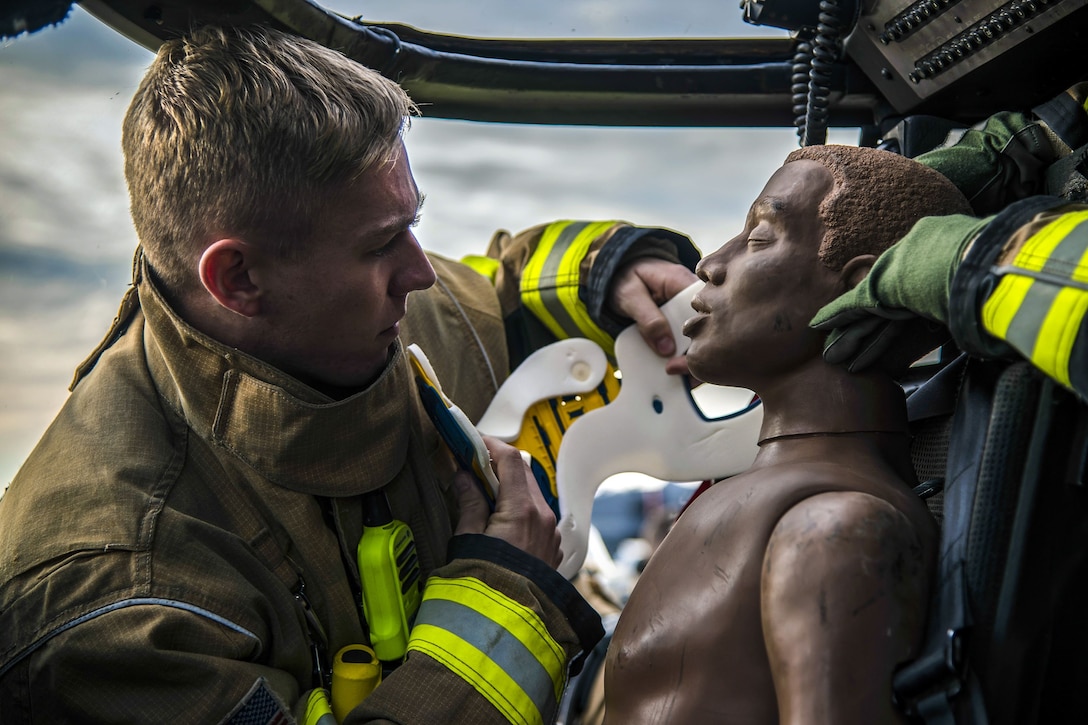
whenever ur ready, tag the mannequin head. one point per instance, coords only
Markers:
(813, 233)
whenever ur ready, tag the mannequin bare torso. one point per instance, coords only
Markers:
(695, 645)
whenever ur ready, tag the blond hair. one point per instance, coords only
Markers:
(246, 132)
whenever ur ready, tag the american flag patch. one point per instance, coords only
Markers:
(260, 706)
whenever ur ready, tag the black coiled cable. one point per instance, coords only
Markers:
(826, 49)
(799, 80)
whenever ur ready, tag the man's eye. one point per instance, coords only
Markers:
(386, 248)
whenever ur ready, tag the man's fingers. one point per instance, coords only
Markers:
(473, 505)
(517, 488)
(679, 366)
(653, 327)
(675, 279)
(640, 287)
(508, 464)
(522, 517)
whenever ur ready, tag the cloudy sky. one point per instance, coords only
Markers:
(66, 240)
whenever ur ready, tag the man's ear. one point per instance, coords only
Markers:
(225, 272)
(856, 270)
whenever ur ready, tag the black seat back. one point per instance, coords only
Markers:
(1003, 627)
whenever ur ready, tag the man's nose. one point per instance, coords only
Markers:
(417, 272)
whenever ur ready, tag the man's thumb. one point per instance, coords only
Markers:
(473, 505)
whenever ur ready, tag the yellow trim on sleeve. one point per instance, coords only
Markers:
(1054, 344)
(541, 290)
(476, 668)
(499, 646)
(1037, 250)
(514, 617)
(531, 295)
(999, 310)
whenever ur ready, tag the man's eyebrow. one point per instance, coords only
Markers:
(400, 223)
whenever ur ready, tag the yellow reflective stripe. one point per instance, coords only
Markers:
(478, 670)
(541, 288)
(1052, 316)
(496, 644)
(1037, 250)
(531, 276)
(1054, 345)
(999, 310)
(567, 284)
(487, 266)
(512, 616)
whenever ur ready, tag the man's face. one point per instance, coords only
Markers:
(331, 316)
(764, 285)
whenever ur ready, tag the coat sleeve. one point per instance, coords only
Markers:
(1015, 155)
(553, 279)
(144, 661)
(495, 640)
(1023, 287)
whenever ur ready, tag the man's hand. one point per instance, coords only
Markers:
(522, 518)
(640, 288)
(877, 319)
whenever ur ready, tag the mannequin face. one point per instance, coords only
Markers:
(764, 285)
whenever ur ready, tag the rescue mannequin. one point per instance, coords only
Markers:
(790, 592)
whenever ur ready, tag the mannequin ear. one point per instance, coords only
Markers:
(225, 272)
(856, 270)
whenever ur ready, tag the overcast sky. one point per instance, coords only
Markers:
(66, 240)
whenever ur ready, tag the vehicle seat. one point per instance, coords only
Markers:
(1001, 453)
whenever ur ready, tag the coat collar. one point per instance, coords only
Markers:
(289, 433)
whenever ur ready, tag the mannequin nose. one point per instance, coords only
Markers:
(711, 269)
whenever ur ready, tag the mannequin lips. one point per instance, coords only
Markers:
(692, 325)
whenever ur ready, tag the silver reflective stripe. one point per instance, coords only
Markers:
(552, 273)
(503, 648)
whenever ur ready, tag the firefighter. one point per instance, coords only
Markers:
(180, 544)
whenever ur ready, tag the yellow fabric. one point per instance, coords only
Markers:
(1053, 345)
(1000, 309)
(538, 288)
(514, 617)
(1037, 250)
(486, 266)
(476, 666)
(477, 669)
